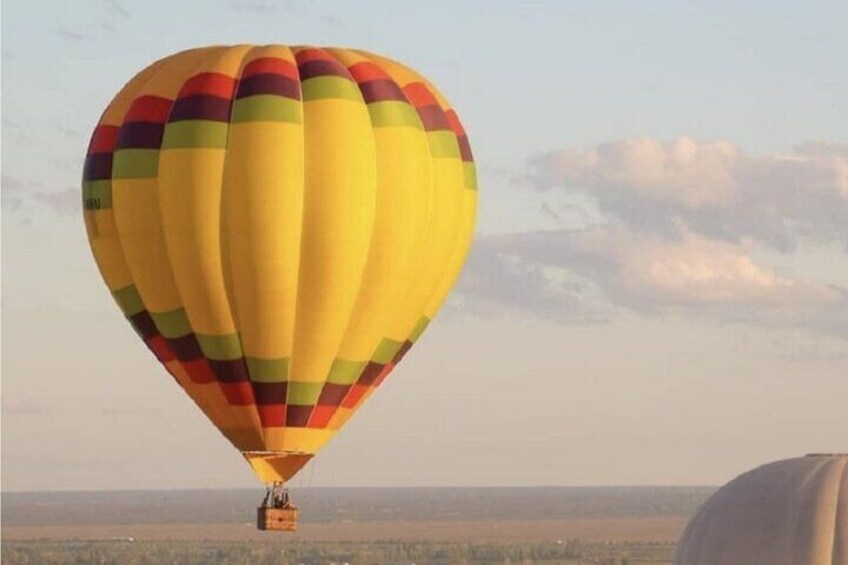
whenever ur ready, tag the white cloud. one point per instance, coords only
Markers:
(66, 201)
(584, 275)
(17, 195)
(499, 281)
(710, 188)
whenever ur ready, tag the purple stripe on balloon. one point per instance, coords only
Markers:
(465, 148)
(201, 107)
(270, 393)
(140, 135)
(433, 118)
(144, 325)
(98, 166)
(269, 83)
(322, 67)
(333, 394)
(297, 416)
(186, 347)
(370, 373)
(380, 90)
(404, 349)
(229, 370)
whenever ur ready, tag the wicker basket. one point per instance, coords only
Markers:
(279, 519)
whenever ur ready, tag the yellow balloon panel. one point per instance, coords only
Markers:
(279, 225)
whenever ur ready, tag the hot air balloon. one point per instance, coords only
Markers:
(791, 512)
(279, 225)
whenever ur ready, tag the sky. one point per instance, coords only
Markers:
(658, 288)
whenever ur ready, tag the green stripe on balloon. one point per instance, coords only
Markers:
(97, 194)
(386, 351)
(220, 347)
(135, 164)
(303, 394)
(419, 328)
(320, 88)
(344, 372)
(129, 300)
(394, 113)
(268, 370)
(443, 145)
(267, 108)
(470, 175)
(172, 324)
(195, 134)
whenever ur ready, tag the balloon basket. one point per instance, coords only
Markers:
(277, 512)
(276, 519)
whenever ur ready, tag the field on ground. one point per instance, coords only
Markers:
(429, 525)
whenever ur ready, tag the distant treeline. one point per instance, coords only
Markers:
(324, 505)
(126, 552)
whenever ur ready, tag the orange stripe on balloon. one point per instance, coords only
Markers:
(419, 94)
(364, 72)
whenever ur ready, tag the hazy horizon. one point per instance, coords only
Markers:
(657, 293)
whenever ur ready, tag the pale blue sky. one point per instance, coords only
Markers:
(608, 347)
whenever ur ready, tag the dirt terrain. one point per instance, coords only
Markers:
(660, 529)
(438, 525)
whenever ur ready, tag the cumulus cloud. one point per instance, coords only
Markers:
(584, 275)
(70, 36)
(64, 202)
(711, 188)
(16, 193)
(500, 281)
(117, 9)
(255, 6)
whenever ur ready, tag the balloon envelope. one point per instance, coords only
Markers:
(279, 225)
(791, 512)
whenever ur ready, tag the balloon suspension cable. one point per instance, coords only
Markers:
(277, 496)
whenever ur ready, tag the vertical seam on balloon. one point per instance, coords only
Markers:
(188, 77)
(199, 63)
(457, 231)
(365, 367)
(216, 52)
(209, 411)
(367, 251)
(294, 49)
(460, 233)
(431, 211)
(118, 233)
(370, 247)
(119, 124)
(227, 292)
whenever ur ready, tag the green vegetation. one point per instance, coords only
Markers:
(571, 552)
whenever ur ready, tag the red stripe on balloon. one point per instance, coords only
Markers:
(149, 109)
(271, 65)
(363, 72)
(321, 416)
(419, 94)
(455, 125)
(212, 84)
(306, 54)
(103, 140)
(272, 415)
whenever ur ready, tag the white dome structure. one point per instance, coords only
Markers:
(791, 512)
